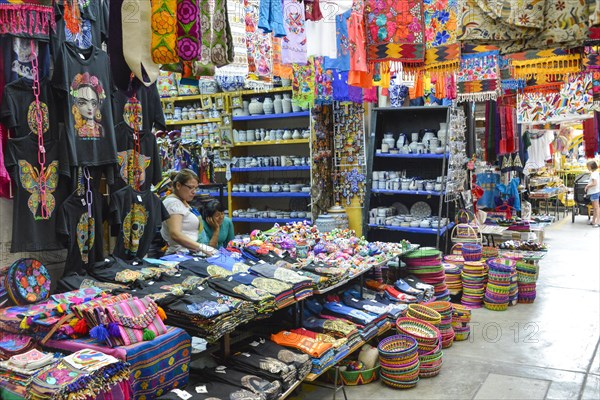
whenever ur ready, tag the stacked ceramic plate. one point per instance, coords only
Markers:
(461, 316)
(426, 265)
(500, 275)
(399, 359)
(429, 342)
(444, 308)
(474, 278)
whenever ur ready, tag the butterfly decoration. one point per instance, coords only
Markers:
(30, 180)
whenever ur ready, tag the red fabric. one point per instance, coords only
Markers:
(590, 136)
(305, 332)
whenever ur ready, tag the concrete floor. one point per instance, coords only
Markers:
(545, 350)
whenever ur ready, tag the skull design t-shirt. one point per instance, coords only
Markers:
(79, 226)
(139, 216)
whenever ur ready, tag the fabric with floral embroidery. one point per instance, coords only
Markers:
(259, 45)
(303, 85)
(293, 45)
(342, 61)
(357, 37)
(323, 82)
(479, 77)
(395, 31)
(442, 47)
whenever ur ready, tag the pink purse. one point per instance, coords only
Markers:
(134, 320)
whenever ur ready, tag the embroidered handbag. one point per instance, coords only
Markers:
(134, 320)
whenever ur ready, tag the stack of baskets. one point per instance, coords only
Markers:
(429, 342)
(399, 360)
(527, 275)
(513, 294)
(424, 313)
(473, 281)
(453, 280)
(444, 308)
(426, 264)
(461, 316)
(497, 294)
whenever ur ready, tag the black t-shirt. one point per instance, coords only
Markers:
(80, 232)
(18, 110)
(92, 29)
(32, 230)
(83, 78)
(16, 55)
(151, 107)
(148, 164)
(139, 216)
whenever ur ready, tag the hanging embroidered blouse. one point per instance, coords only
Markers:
(342, 61)
(293, 45)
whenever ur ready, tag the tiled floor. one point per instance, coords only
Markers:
(545, 350)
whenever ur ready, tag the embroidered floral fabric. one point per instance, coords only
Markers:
(479, 77)
(303, 85)
(395, 31)
(443, 50)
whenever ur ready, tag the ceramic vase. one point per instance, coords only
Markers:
(286, 103)
(277, 104)
(268, 105)
(255, 107)
(246, 105)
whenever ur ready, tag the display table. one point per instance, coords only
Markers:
(157, 366)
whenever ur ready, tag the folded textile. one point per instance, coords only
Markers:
(264, 302)
(267, 348)
(303, 343)
(337, 328)
(268, 367)
(283, 292)
(352, 314)
(269, 390)
(200, 389)
(302, 286)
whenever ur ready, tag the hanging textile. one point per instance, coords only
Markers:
(32, 19)
(303, 86)
(259, 45)
(575, 100)
(279, 69)
(479, 77)
(395, 31)
(323, 82)
(590, 136)
(164, 31)
(490, 132)
(134, 47)
(442, 48)
(356, 37)
(188, 30)
(236, 17)
(293, 45)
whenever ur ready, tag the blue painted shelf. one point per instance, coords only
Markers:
(430, 231)
(271, 169)
(212, 194)
(270, 194)
(425, 156)
(269, 220)
(271, 116)
(411, 192)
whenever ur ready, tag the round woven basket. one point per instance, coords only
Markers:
(424, 313)
(471, 251)
(501, 264)
(397, 347)
(422, 331)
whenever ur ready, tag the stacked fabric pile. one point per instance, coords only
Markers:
(392, 311)
(260, 387)
(262, 301)
(19, 369)
(526, 274)
(327, 275)
(429, 342)
(269, 368)
(207, 313)
(399, 359)
(83, 374)
(302, 286)
(300, 361)
(394, 293)
(340, 346)
(497, 294)
(322, 354)
(426, 265)
(282, 291)
(445, 309)
(461, 316)
(473, 281)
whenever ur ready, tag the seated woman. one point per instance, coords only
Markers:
(218, 229)
(181, 230)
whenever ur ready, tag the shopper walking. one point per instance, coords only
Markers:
(593, 190)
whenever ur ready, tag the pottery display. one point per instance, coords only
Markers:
(277, 104)
(286, 103)
(401, 141)
(255, 107)
(338, 213)
(325, 223)
(268, 106)
(246, 107)
(388, 139)
(296, 134)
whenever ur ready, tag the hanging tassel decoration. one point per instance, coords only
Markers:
(148, 335)
(161, 313)
(99, 333)
(113, 330)
(81, 328)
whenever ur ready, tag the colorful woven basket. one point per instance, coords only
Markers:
(422, 331)
(501, 264)
(489, 252)
(424, 313)
(355, 378)
(471, 251)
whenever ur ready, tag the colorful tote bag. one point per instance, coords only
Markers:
(137, 320)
